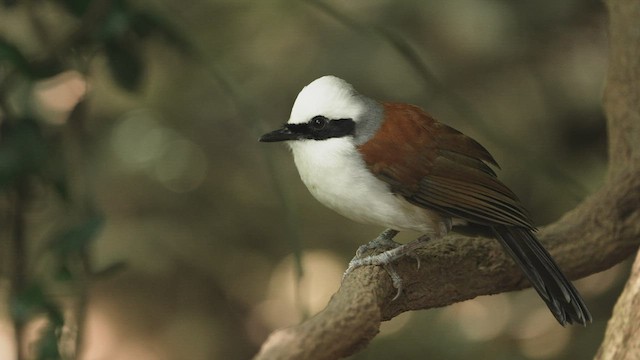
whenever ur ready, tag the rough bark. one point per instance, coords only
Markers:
(622, 339)
(600, 232)
(622, 104)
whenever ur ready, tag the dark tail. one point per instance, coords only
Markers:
(554, 288)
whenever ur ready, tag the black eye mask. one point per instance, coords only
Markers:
(321, 128)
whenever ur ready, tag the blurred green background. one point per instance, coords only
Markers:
(203, 222)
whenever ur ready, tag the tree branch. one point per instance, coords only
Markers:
(600, 232)
(622, 103)
(622, 93)
(622, 339)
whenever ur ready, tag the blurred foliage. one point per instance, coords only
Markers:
(22, 152)
(32, 157)
(204, 219)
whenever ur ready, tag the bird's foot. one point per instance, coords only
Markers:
(394, 252)
(383, 241)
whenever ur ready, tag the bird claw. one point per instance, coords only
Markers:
(416, 258)
(385, 258)
(396, 280)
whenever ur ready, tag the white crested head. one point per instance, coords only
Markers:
(334, 98)
(328, 96)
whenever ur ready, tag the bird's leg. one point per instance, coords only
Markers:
(387, 257)
(384, 240)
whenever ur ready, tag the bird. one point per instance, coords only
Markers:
(392, 164)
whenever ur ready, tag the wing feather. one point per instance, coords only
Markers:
(435, 166)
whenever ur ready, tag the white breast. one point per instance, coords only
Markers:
(335, 174)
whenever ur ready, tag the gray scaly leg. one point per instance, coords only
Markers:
(394, 252)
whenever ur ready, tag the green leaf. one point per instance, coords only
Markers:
(28, 302)
(47, 344)
(76, 7)
(125, 63)
(54, 314)
(63, 273)
(117, 23)
(33, 301)
(22, 151)
(55, 173)
(11, 54)
(77, 238)
(45, 69)
(60, 186)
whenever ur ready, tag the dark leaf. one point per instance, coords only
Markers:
(22, 151)
(63, 273)
(47, 343)
(77, 238)
(55, 173)
(54, 314)
(76, 7)
(45, 69)
(10, 53)
(28, 302)
(125, 63)
(33, 301)
(144, 24)
(60, 186)
(117, 23)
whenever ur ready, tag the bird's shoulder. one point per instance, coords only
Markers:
(409, 142)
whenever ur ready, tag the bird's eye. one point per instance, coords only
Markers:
(318, 122)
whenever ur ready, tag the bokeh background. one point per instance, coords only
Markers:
(220, 241)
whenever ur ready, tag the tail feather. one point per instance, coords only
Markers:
(554, 288)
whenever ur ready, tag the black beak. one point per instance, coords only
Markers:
(282, 134)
